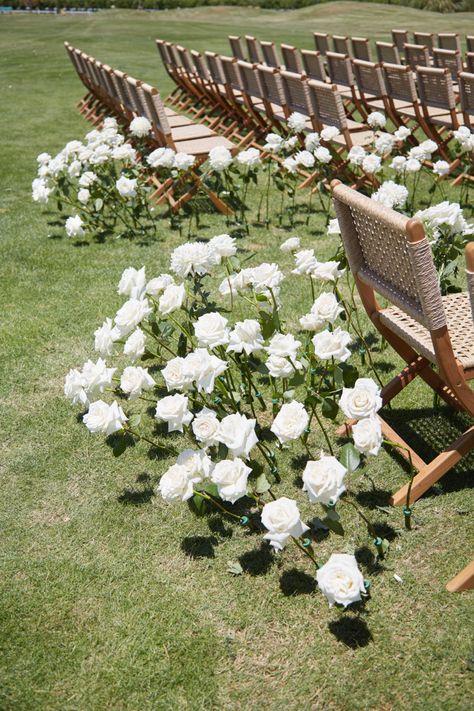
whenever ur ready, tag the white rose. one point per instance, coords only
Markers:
(43, 158)
(223, 246)
(135, 380)
(87, 178)
(305, 159)
(83, 196)
(233, 283)
(140, 127)
(367, 435)
(327, 271)
(329, 133)
(391, 194)
(157, 285)
(273, 143)
(311, 141)
(332, 344)
(127, 187)
(371, 163)
(250, 158)
(192, 258)
(291, 422)
(184, 161)
(305, 262)
(384, 143)
(40, 191)
(246, 336)
(161, 158)
(104, 418)
(291, 244)
(174, 375)
(282, 519)
(283, 345)
(412, 165)
(237, 432)
(134, 346)
(105, 336)
(125, 152)
(291, 142)
(402, 133)
(290, 165)
(197, 463)
(363, 400)
(323, 155)
(74, 226)
(173, 409)
(74, 387)
(324, 480)
(398, 164)
(297, 122)
(266, 276)
(131, 314)
(176, 484)
(376, 120)
(326, 307)
(220, 158)
(211, 330)
(280, 367)
(203, 368)
(74, 169)
(205, 427)
(230, 477)
(132, 282)
(340, 580)
(96, 377)
(356, 155)
(172, 298)
(441, 167)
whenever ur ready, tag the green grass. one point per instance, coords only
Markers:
(111, 600)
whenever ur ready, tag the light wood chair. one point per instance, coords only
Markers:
(417, 55)
(322, 42)
(448, 59)
(270, 55)
(361, 49)
(425, 38)
(388, 52)
(400, 38)
(449, 40)
(390, 255)
(463, 580)
(313, 65)
(470, 62)
(254, 50)
(470, 43)
(341, 44)
(237, 47)
(291, 59)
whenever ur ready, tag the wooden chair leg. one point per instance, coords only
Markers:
(463, 580)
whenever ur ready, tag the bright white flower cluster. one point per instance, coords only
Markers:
(445, 218)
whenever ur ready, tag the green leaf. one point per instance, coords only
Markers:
(135, 420)
(349, 457)
(234, 567)
(329, 408)
(182, 345)
(338, 376)
(211, 489)
(268, 325)
(199, 504)
(262, 484)
(333, 524)
(349, 374)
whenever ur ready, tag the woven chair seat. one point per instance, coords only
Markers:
(446, 120)
(358, 138)
(460, 325)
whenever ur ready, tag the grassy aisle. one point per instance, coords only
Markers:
(110, 600)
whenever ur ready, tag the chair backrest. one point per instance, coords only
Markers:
(470, 62)
(327, 105)
(341, 44)
(295, 91)
(253, 49)
(108, 80)
(466, 92)
(361, 48)
(449, 40)
(231, 72)
(270, 56)
(156, 114)
(291, 58)
(165, 56)
(426, 39)
(237, 47)
(186, 59)
(120, 80)
(388, 52)
(390, 254)
(400, 38)
(270, 81)
(339, 69)
(369, 78)
(250, 80)
(133, 87)
(322, 42)
(201, 66)
(448, 59)
(313, 65)
(400, 83)
(470, 43)
(215, 67)
(435, 88)
(417, 55)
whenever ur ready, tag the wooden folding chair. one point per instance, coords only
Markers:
(466, 95)
(273, 96)
(402, 96)
(322, 42)
(361, 48)
(339, 69)
(296, 99)
(438, 103)
(313, 65)
(237, 47)
(426, 39)
(470, 62)
(270, 55)
(417, 55)
(371, 87)
(390, 255)
(449, 40)
(400, 38)
(291, 59)
(470, 43)
(341, 44)
(463, 580)
(388, 52)
(448, 59)
(253, 49)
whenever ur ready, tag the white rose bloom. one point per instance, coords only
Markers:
(104, 418)
(441, 168)
(367, 435)
(334, 227)
(43, 158)
(131, 314)
(74, 226)
(184, 161)
(323, 155)
(447, 215)
(280, 367)
(173, 409)
(398, 164)
(305, 262)
(220, 158)
(174, 375)
(376, 120)
(311, 141)
(384, 143)
(125, 152)
(246, 337)
(356, 155)
(327, 271)
(157, 285)
(273, 143)
(193, 258)
(305, 159)
(172, 298)
(223, 246)
(291, 422)
(211, 330)
(417, 152)
(132, 282)
(266, 276)
(205, 427)
(161, 158)
(110, 122)
(237, 432)
(96, 377)
(371, 163)
(290, 165)
(197, 462)
(402, 133)
(291, 244)
(56, 165)
(340, 580)
(282, 519)
(100, 154)
(176, 484)
(332, 344)
(140, 127)
(412, 165)
(105, 336)
(74, 383)
(230, 477)
(311, 322)
(323, 479)
(127, 187)
(135, 380)
(329, 133)
(87, 178)
(202, 368)
(428, 147)
(40, 191)
(297, 122)
(363, 400)
(391, 194)
(74, 169)
(234, 283)
(83, 196)
(465, 138)
(283, 345)
(325, 309)
(250, 158)
(134, 346)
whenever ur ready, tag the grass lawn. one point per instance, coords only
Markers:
(110, 599)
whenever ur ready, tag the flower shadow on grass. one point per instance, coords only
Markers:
(199, 546)
(296, 582)
(137, 496)
(257, 561)
(351, 631)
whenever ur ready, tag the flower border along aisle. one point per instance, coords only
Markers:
(239, 391)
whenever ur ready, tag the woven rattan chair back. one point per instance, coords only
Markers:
(237, 47)
(448, 59)
(322, 42)
(291, 59)
(216, 71)
(295, 91)
(186, 60)
(361, 49)
(341, 44)
(388, 52)
(470, 43)
(270, 81)
(400, 38)
(426, 39)
(339, 68)
(449, 40)
(313, 65)
(435, 88)
(417, 55)
(470, 62)
(231, 72)
(270, 56)
(201, 66)
(253, 49)
(156, 114)
(369, 78)
(466, 95)
(250, 80)
(327, 105)
(400, 83)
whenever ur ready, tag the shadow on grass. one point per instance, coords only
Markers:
(296, 582)
(137, 496)
(257, 561)
(351, 631)
(199, 546)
